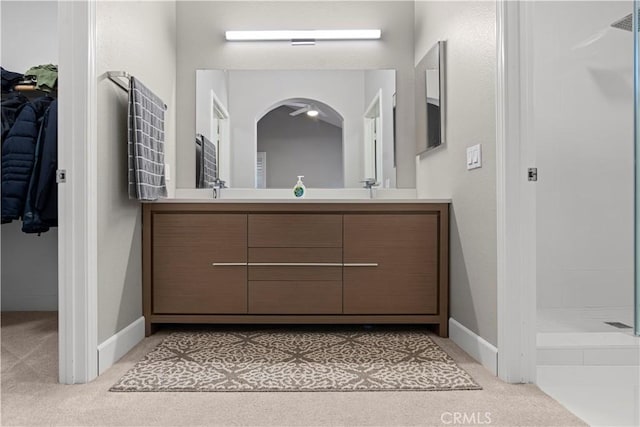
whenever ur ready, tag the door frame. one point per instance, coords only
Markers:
(77, 197)
(373, 114)
(516, 199)
(77, 245)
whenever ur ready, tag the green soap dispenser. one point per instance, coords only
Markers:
(299, 189)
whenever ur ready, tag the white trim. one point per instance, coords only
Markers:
(116, 346)
(515, 203)
(476, 346)
(372, 114)
(77, 206)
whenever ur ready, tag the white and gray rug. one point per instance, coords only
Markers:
(285, 360)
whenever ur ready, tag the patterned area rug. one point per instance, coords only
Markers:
(285, 360)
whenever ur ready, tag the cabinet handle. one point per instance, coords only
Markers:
(296, 264)
(228, 264)
(363, 264)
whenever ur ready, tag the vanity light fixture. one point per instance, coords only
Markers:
(303, 36)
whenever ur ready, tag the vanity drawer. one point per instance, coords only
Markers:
(295, 297)
(300, 273)
(295, 231)
(295, 255)
(295, 263)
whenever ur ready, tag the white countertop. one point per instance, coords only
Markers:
(313, 195)
(303, 201)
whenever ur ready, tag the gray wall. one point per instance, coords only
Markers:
(300, 146)
(138, 37)
(201, 44)
(469, 29)
(29, 37)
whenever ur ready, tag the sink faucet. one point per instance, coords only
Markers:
(218, 185)
(369, 183)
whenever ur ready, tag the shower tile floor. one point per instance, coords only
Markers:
(592, 368)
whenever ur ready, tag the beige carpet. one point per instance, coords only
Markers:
(296, 359)
(31, 396)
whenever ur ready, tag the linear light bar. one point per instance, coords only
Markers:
(303, 35)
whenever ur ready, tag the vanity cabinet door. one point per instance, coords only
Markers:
(405, 249)
(185, 247)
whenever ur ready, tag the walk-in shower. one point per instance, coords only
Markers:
(584, 91)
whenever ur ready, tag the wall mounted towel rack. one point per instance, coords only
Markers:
(118, 76)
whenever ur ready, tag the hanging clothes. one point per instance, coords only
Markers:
(18, 156)
(9, 79)
(10, 109)
(41, 208)
(46, 76)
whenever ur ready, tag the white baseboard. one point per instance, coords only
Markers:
(481, 350)
(116, 346)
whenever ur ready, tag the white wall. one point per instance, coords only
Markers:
(469, 29)
(29, 37)
(137, 37)
(583, 129)
(201, 44)
(300, 146)
(253, 94)
(375, 80)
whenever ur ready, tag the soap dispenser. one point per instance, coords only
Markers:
(299, 189)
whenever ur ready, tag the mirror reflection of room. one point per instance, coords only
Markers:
(300, 137)
(263, 128)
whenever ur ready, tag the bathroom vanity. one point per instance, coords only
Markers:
(290, 261)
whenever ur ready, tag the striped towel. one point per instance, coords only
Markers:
(210, 162)
(146, 143)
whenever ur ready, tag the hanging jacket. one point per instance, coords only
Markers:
(41, 208)
(18, 152)
(10, 108)
(9, 79)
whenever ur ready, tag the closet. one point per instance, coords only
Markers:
(30, 261)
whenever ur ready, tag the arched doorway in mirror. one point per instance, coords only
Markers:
(300, 136)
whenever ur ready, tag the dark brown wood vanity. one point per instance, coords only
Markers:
(292, 262)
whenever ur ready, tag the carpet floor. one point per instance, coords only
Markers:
(296, 359)
(31, 395)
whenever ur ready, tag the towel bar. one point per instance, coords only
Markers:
(117, 76)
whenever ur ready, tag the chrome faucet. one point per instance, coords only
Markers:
(370, 183)
(218, 185)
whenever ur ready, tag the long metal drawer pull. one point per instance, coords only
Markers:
(363, 264)
(295, 264)
(228, 264)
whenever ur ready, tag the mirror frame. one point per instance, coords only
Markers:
(435, 60)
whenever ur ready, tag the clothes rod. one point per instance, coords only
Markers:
(117, 76)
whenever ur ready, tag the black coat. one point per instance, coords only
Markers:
(41, 209)
(10, 109)
(18, 155)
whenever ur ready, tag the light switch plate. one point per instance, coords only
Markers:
(474, 157)
(167, 172)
